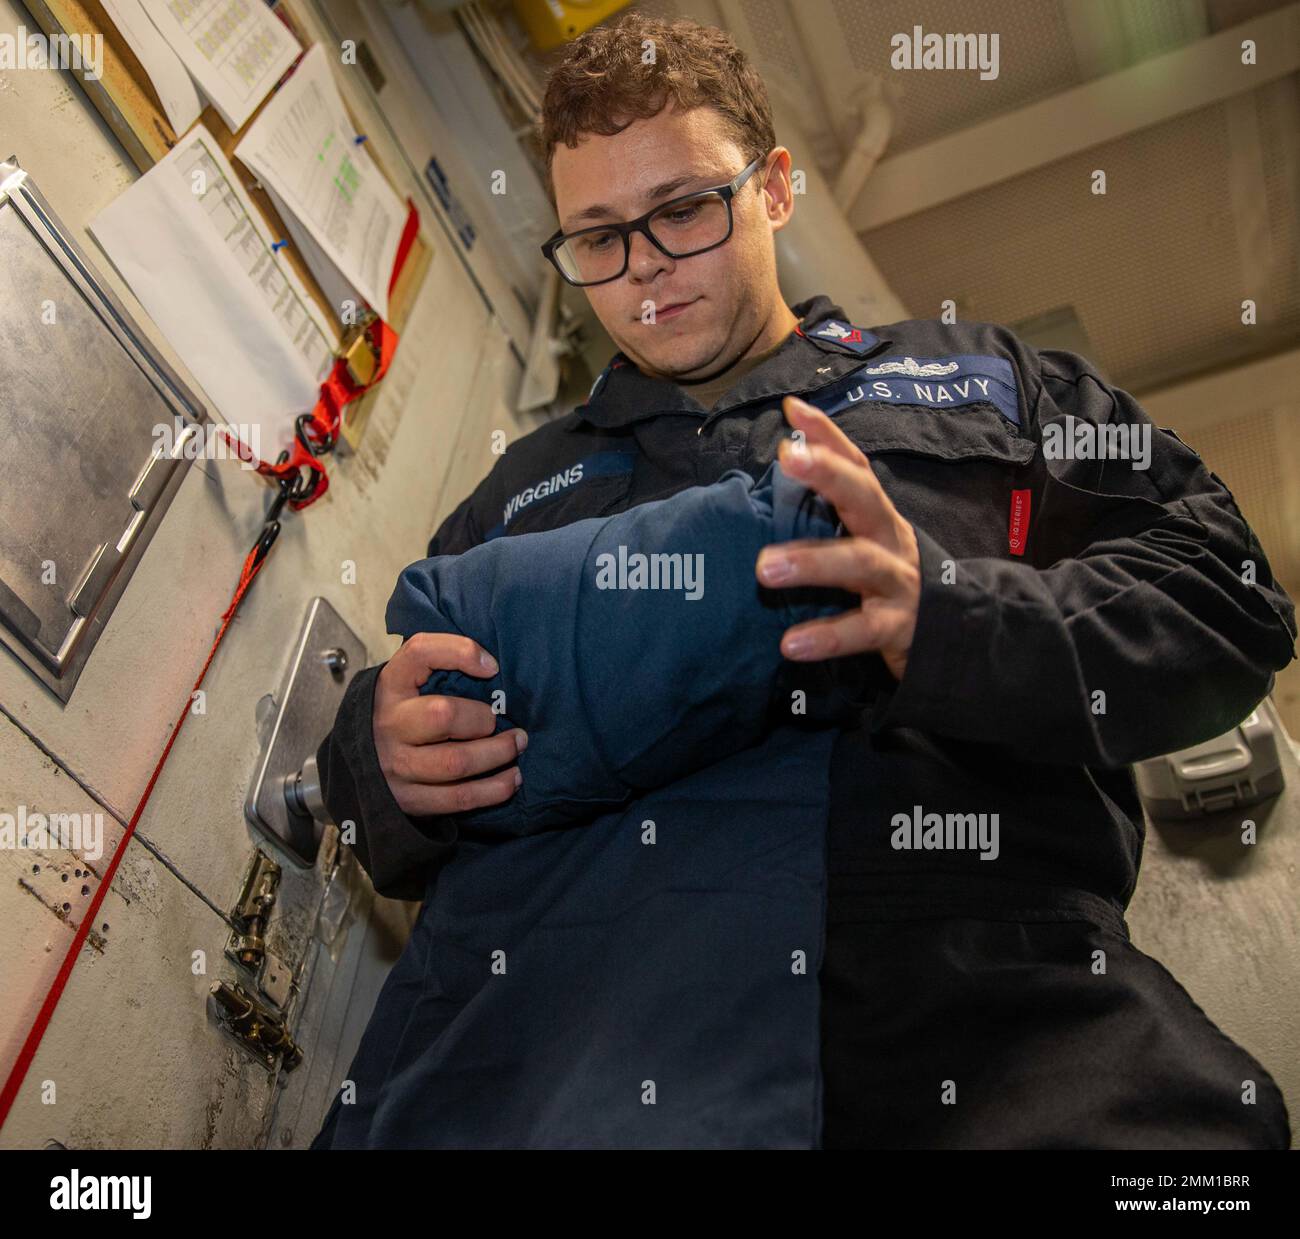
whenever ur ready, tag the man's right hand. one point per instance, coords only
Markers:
(432, 747)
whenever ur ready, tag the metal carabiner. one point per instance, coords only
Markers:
(326, 444)
(266, 540)
(271, 526)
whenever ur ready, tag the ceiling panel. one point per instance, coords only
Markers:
(1154, 269)
(1036, 59)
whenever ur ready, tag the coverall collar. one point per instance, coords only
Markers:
(824, 345)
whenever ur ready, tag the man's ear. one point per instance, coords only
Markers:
(777, 188)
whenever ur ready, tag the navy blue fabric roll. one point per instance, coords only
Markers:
(633, 648)
(644, 972)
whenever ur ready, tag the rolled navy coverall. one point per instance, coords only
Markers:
(1047, 579)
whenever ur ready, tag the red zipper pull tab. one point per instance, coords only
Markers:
(1018, 529)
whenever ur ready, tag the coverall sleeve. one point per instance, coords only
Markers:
(398, 851)
(1145, 620)
(633, 648)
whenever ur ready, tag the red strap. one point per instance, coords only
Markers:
(252, 566)
(409, 233)
(338, 389)
(336, 393)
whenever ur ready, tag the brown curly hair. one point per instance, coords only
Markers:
(602, 75)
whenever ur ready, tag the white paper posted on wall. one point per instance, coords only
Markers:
(236, 50)
(303, 147)
(199, 258)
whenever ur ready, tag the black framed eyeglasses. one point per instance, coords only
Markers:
(680, 228)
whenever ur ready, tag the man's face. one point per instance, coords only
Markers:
(729, 292)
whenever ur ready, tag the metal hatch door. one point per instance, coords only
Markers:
(96, 432)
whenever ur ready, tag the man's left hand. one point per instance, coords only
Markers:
(877, 560)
